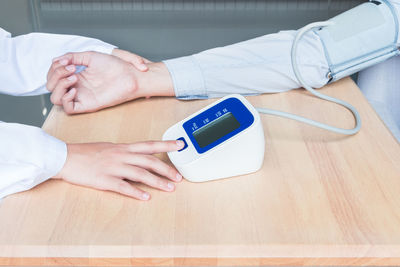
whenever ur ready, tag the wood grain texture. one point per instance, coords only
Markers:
(320, 198)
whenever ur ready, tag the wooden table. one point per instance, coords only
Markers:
(320, 198)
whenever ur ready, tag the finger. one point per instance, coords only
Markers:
(137, 61)
(132, 58)
(73, 106)
(68, 101)
(137, 174)
(63, 57)
(155, 165)
(61, 88)
(153, 147)
(147, 61)
(78, 58)
(70, 105)
(55, 65)
(57, 73)
(124, 188)
(140, 62)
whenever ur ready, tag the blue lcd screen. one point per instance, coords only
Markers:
(218, 124)
(216, 129)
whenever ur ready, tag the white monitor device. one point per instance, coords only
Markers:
(222, 140)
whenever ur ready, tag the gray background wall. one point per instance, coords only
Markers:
(156, 29)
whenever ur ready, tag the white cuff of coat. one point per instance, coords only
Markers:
(35, 157)
(56, 155)
(187, 78)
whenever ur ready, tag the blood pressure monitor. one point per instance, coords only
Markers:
(222, 140)
(226, 138)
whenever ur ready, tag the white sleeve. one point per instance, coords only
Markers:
(28, 156)
(25, 59)
(260, 65)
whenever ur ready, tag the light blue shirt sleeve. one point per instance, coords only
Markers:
(257, 66)
(380, 85)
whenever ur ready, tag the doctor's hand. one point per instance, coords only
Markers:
(108, 166)
(108, 80)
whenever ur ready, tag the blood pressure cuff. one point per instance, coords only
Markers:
(360, 37)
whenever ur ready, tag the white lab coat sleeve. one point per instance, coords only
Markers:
(28, 156)
(260, 65)
(25, 59)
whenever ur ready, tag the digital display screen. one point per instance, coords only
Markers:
(216, 129)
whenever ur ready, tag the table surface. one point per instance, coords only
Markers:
(319, 199)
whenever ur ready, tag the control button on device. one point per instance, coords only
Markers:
(185, 146)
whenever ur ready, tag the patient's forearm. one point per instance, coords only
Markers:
(261, 65)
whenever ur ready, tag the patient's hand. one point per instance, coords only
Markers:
(108, 166)
(106, 81)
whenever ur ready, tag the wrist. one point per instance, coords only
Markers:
(71, 152)
(156, 81)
